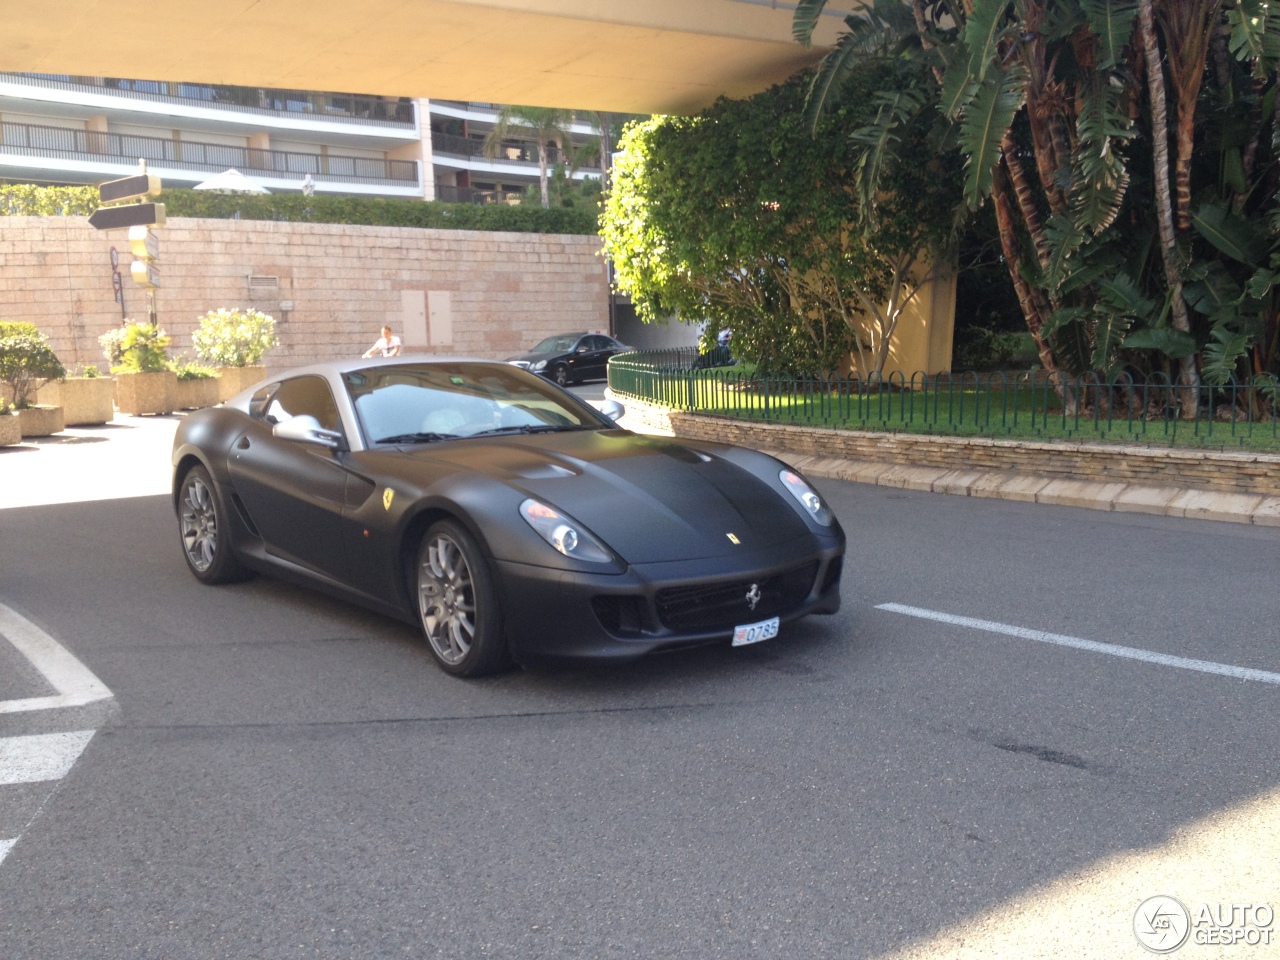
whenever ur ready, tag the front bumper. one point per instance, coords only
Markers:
(660, 606)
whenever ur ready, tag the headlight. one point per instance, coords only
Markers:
(565, 534)
(807, 497)
(540, 365)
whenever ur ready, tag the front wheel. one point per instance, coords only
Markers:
(205, 530)
(457, 603)
(561, 375)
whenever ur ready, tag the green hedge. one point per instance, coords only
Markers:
(24, 200)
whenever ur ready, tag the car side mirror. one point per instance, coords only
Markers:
(583, 349)
(613, 410)
(305, 428)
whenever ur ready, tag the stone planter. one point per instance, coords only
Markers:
(41, 421)
(138, 393)
(10, 429)
(194, 394)
(84, 400)
(233, 380)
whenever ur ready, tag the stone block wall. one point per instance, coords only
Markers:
(1255, 473)
(447, 291)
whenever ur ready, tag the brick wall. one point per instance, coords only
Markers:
(1254, 473)
(471, 292)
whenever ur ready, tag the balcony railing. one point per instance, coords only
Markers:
(342, 107)
(451, 194)
(512, 151)
(68, 143)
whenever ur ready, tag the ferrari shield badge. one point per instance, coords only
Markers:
(387, 496)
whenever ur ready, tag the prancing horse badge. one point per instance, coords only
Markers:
(387, 496)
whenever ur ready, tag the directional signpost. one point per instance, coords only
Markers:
(117, 212)
(130, 215)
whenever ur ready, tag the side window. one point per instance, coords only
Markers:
(309, 395)
(258, 402)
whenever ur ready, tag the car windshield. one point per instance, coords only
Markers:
(429, 402)
(556, 344)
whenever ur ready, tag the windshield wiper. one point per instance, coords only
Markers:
(417, 438)
(530, 428)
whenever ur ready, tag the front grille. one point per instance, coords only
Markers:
(723, 606)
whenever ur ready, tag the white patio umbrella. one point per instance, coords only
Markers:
(231, 181)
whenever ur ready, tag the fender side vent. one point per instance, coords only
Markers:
(244, 515)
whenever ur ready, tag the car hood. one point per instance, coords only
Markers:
(535, 357)
(650, 499)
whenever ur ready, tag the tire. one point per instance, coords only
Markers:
(560, 374)
(204, 529)
(458, 606)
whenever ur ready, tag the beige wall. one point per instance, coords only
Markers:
(449, 291)
(923, 339)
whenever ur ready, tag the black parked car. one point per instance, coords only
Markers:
(571, 357)
(506, 517)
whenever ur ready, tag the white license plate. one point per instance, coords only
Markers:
(755, 632)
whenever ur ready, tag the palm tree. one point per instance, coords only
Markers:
(547, 125)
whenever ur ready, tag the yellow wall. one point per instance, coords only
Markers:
(923, 339)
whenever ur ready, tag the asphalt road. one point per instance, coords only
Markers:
(287, 776)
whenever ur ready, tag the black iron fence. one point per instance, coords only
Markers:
(1018, 405)
(76, 144)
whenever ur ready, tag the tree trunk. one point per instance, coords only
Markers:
(1187, 375)
(1035, 309)
(604, 152)
(542, 172)
(1026, 200)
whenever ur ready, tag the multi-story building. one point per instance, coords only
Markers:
(57, 129)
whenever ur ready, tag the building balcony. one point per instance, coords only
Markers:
(447, 193)
(86, 151)
(359, 114)
(514, 157)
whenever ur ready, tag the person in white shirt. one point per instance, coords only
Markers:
(389, 344)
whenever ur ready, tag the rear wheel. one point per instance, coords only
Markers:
(205, 530)
(457, 603)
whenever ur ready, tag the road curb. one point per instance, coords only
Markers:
(1027, 488)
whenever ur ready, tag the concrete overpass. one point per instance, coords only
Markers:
(634, 56)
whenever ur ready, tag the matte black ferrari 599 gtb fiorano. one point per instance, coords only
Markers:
(509, 519)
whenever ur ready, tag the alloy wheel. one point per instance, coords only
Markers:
(446, 599)
(199, 519)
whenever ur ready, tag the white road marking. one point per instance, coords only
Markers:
(40, 757)
(75, 684)
(1093, 646)
(5, 847)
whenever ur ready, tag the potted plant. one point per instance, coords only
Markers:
(10, 428)
(235, 342)
(144, 382)
(86, 399)
(26, 363)
(197, 385)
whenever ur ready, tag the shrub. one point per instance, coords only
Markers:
(112, 346)
(186, 370)
(143, 350)
(27, 200)
(90, 371)
(27, 362)
(234, 338)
